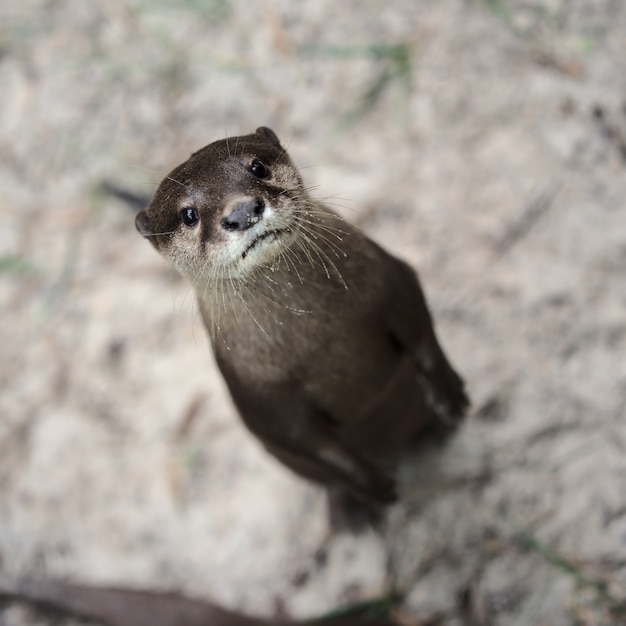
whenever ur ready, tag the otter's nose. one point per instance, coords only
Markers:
(244, 215)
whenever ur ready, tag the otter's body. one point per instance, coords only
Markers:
(324, 339)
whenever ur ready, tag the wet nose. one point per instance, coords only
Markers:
(244, 215)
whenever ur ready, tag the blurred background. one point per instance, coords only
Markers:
(484, 141)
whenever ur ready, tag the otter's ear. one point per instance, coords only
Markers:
(143, 225)
(268, 133)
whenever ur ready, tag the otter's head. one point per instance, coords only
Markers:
(231, 207)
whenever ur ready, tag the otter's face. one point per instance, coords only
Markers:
(230, 208)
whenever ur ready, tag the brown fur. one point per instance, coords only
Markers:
(324, 339)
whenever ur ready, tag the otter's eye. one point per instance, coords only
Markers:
(189, 216)
(258, 169)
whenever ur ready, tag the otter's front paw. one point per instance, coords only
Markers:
(350, 513)
(379, 487)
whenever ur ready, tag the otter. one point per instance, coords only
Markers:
(324, 339)
(126, 607)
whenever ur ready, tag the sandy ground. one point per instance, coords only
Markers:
(491, 155)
